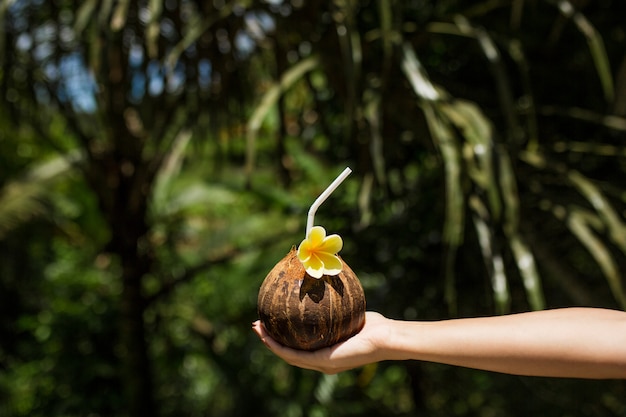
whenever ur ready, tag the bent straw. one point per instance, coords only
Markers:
(319, 200)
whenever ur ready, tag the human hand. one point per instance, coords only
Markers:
(363, 348)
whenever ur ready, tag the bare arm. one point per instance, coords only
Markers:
(570, 342)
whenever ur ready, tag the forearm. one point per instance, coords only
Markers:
(573, 342)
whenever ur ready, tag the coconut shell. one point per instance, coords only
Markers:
(306, 313)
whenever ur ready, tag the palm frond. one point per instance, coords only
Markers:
(23, 199)
(524, 258)
(269, 99)
(491, 255)
(445, 141)
(595, 44)
(582, 223)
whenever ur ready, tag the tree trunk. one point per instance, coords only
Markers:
(122, 187)
(120, 175)
(123, 203)
(137, 374)
(129, 229)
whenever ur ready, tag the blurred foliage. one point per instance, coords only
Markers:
(158, 158)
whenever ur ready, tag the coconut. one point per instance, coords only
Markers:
(307, 313)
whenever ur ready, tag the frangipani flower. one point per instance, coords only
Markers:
(318, 253)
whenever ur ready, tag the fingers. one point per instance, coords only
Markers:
(357, 351)
(299, 358)
(349, 354)
(274, 346)
(260, 331)
(267, 340)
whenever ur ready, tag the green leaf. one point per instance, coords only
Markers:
(581, 222)
(268, 101)
(478, 148)
(606, 212)
(455, 202)
(491, 255)
(23, 199)
(595, 44)
(524, 258)
(153, 28)
(84, 15)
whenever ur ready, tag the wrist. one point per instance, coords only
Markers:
(405, 340)
(392, 341)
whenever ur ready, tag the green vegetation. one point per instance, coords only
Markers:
(159, 157)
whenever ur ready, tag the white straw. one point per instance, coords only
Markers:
(319, 200)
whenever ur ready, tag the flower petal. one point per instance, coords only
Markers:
(318, 253)
(314, 267)
(332, 264)
(332, 244)
(304, 250)
(316, 236)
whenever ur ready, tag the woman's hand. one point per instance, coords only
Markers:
(363, 348)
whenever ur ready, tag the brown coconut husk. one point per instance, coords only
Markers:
(306, 313)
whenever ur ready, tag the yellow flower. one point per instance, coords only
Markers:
(318, 253)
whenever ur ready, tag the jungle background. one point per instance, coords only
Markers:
(157, 158)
